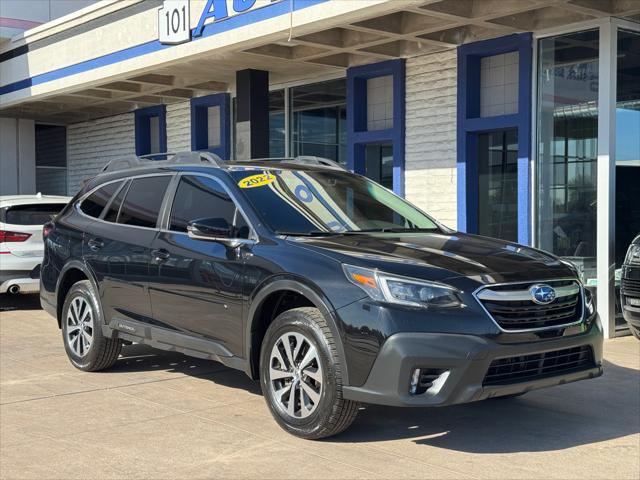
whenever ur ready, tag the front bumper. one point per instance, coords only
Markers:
(467, 359)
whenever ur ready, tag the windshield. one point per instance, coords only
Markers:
(306, 202)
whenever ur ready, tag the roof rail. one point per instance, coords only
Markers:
(163, 159)
(301, 160)
(318, 161)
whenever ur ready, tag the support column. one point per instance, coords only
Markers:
(606, 211)
(252, 114)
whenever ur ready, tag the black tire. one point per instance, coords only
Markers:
(635, 331)
(333, 414)
(102, 352)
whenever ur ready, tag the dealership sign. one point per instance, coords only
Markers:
(173, 17)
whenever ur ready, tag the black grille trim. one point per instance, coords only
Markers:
(524, 368)
(526, 315)
(630, 287)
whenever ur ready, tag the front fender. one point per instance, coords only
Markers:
(310, 291)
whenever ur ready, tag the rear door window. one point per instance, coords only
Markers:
(143, 201)
(95, 203)
(33, 214)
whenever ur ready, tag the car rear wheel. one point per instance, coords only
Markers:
(301, 376)
(87, 348)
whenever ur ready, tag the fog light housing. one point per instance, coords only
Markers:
(427, 379)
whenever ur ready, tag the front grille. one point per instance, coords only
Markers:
(512, 307)
(630, 287)
(503, 371)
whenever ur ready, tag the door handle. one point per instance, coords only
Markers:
(160, 255)
(95, 244)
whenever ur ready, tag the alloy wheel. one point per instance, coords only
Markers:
(79, 326)
(295, 375)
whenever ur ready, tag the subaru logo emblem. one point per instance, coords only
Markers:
(542, 294)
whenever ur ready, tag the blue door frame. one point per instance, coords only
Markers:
(358, 137)
(470, 124)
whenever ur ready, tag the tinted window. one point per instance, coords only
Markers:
(143, 201)
(200, 197)
(94, 203)
(37, 214)
(112, 213)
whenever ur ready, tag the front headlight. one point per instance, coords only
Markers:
(633, 254)
(384, 287)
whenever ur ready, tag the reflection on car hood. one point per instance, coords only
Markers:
(441, 256)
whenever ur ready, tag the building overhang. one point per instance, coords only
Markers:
(107, 59)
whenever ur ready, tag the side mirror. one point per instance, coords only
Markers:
(209, 228)
(216, 230)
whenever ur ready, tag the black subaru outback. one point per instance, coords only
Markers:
(322, 284)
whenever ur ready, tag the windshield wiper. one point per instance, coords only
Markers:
(392, 230)
(309, 233)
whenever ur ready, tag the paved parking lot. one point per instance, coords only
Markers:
(164, 415)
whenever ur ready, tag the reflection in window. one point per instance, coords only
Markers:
(198, 198)
(379, 164)
(498, 185)
(142, 203)
(627, 142)
(319, 118)
(567, 147)
(276, 124)
(51, 159)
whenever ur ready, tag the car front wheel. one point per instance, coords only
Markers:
(301, 376)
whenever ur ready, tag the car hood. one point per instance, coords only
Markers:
(438, 256)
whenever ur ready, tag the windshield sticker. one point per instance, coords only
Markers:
(259, 180)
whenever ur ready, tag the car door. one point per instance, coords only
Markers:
(117, 247)
(196, 285)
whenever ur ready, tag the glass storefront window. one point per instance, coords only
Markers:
(379, 164)
(498, 184)
(627, 142)
(567, 148)
(319, 120)
(277, 137)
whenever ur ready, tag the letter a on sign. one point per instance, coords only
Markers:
(216, 9)
(173, 22)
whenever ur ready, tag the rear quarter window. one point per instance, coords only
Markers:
(31, 214)
(95, 203)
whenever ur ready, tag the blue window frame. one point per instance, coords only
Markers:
(470, 125)
(358, 137)
(143, 118)
(200, 124)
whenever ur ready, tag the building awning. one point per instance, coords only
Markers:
(108, 59)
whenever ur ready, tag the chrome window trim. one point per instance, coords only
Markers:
(81, 199)
(476, 294)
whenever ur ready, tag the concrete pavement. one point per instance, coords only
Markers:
(164, 415)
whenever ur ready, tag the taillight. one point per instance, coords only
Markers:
(47, 228)
(6, 236)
